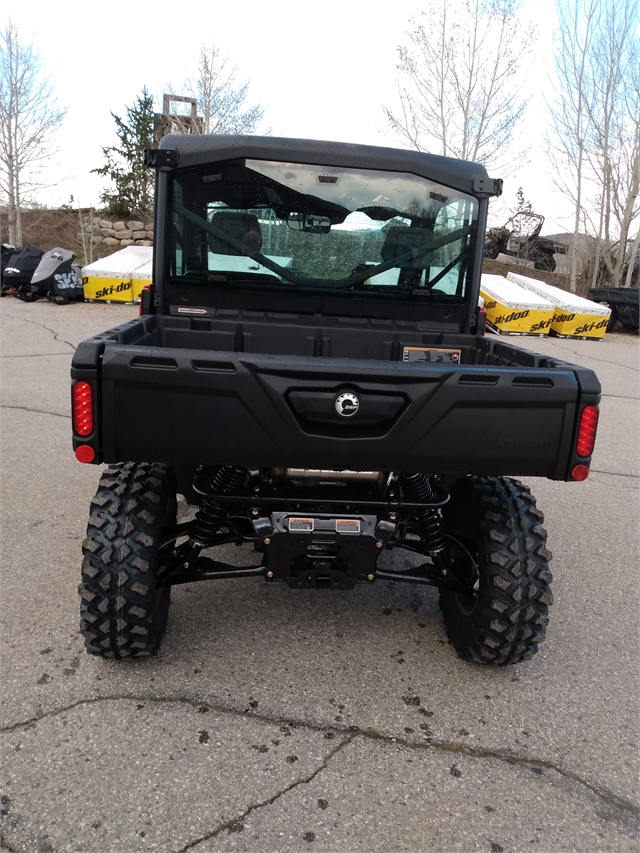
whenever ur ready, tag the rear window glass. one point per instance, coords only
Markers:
(265, 224)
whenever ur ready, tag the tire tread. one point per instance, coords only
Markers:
(122, 614)
(511, 613)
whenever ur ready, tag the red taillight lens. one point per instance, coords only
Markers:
(146, 287)
(579, 473)
(82, 408)
(587, 431)
(85, 453)
(482, 320)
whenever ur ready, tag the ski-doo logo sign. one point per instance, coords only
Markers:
(115, 288)
(66, 280)
(511, 318)
(589, 327)
(347, 404)
(543, 324)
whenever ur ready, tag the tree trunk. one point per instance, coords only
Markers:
(12, 209)
(632, 260)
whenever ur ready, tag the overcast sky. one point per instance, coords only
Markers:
(321, 70)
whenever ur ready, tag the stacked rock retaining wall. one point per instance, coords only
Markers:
(111, 235)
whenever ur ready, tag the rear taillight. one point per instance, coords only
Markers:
(82, 396)
(587, 431)
(85, 453)
(147, 288)
(579, 472)
(482, 320)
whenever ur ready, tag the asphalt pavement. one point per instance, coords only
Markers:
(281, 720)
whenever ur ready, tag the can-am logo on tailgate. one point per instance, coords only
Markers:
(347, 404)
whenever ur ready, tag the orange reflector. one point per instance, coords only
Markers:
(580, 472)
(82, 408)
(587, 431)
(85, 453)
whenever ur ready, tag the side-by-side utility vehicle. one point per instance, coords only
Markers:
(520, 238)
(623, 302)
(309, 372)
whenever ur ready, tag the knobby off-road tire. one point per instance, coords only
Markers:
(491, 250)
(123, 611)
(497, 520)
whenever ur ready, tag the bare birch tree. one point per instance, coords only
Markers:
(459, 79)
(614, 143)
(220, 98)
(574, 37)
(595, 138)
(29, 116)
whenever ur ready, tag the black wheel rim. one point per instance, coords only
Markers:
(466, 571)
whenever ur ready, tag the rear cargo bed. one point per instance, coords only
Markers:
(258, 390)
(272, 334)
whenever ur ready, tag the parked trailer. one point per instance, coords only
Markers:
(574, 316)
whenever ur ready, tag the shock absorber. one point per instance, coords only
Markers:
(417, 487)
(226, 481)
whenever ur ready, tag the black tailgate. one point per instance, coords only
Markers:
(190, 406)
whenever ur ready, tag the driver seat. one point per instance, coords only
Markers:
(233, 229)
(408, 243)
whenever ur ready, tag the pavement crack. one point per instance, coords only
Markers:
(42, 326)
(239, 819)
(196, 703)
(36, 355)
(350, 733)
(601, 791)
(614, 473)
(582, 355)
(37, 411)
(629, 481)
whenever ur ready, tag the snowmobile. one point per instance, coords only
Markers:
(16, 276)
(58, 278)
(32, 274)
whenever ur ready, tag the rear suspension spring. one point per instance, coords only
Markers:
(226, 481)
(418, 488)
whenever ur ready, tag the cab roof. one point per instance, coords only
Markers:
(462, 175)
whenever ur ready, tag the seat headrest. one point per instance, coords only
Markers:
(409, 244)
(238, 233)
